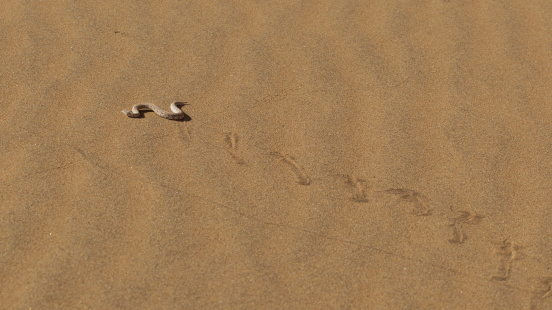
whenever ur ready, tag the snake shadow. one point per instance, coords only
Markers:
(179, 104)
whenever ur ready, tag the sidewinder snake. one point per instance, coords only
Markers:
(177, 114)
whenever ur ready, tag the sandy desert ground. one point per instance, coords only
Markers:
(386, 154)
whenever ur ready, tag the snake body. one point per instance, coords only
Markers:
(176, 115)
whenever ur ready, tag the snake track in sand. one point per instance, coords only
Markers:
(177, 114)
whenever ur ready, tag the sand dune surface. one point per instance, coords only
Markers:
(335, 155)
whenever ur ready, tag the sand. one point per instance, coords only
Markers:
(336, 155)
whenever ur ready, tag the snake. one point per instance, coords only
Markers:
(177, 114)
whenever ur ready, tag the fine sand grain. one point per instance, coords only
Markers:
(333, 155)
